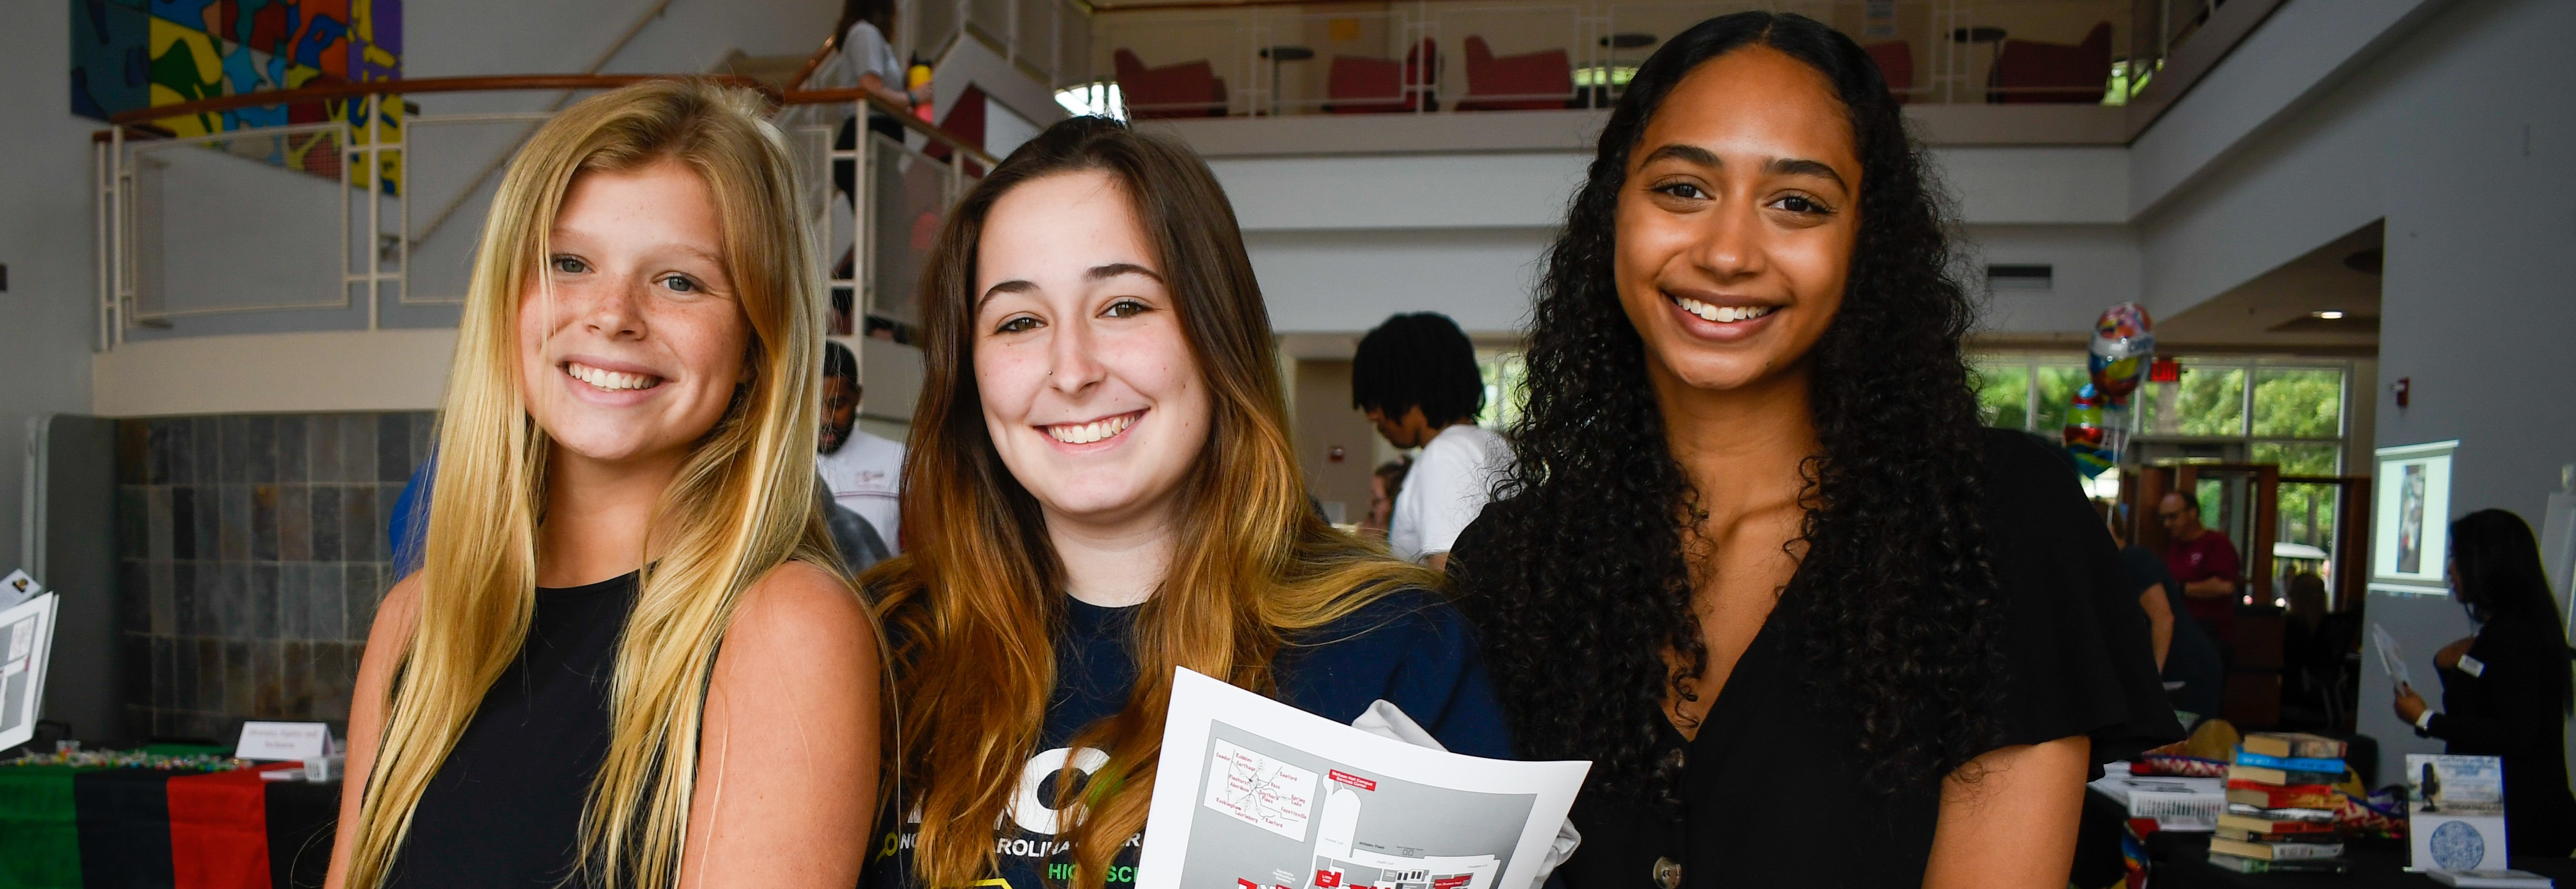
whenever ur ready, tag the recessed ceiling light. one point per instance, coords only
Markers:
(2329, 314)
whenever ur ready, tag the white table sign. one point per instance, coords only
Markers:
(284, 740)
(26, 640)
(17, 588)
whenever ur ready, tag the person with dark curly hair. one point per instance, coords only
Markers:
(1416, 377)
(1757, 561)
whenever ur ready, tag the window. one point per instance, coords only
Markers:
(2025, 392)
(1099, 98)
(2291, 414)
(1505, 378)
(2003, 393)
(2209, 401)
(2298, 403)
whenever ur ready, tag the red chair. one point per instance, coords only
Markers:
(1895, 60)
(1368, 85)
(1189, 89)
(1543, 79)
(2030, 72)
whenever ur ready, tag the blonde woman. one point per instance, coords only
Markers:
(1100, 489)
(628, 658)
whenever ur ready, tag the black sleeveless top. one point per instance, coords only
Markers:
(505, 808)
(1775, 790)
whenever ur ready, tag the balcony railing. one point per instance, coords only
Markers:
(372, 213)
(1432, 56)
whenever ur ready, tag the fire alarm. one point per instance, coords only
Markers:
(2400, 387)
(1334, 454)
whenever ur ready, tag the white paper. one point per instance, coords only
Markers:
(26, 641)
(284, 740)
(2391, 660)
(2177, 804)
(1251, 793)
(1386, 720)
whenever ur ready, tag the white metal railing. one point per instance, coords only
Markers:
(1049, 39)
(1268, 59)
(318, 217)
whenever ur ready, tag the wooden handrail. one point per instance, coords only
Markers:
(901, 115)
(268, 98)
(813, 63)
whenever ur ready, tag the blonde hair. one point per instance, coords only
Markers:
(975, 603)
(740, 506)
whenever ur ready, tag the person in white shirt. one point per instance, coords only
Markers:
(867, 60)
(864, 472)
(1416, 377)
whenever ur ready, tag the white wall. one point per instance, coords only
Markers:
(2093, 266)
(2461, 136)
(46, 325)
(1350, 280)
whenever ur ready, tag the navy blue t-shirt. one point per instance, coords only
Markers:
(1410, 648)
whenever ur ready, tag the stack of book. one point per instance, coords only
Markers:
(2281, 806)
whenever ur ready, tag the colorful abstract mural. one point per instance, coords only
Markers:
(136, 54)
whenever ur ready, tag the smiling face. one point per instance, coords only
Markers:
(1089, 388)
(631, 340)
(1737, 220)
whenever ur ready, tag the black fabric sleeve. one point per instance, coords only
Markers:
(2078, 656)
(2512, 705)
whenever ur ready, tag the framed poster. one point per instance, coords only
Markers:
(26, 638)
(2411, 520)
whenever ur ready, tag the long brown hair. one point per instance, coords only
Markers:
(975, 604)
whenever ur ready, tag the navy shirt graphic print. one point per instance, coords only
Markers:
(1410, 648)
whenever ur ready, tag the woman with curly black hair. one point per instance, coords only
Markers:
(1758, 561)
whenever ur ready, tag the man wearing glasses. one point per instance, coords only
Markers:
(2204, 562)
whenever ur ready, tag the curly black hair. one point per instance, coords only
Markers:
(1584, 583)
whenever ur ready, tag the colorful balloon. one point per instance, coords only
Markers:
(2124, 343)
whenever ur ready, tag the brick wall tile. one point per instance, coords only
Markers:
(358, 447)
(295, 523)
(293, 461)
(322, 448)
(263, 523)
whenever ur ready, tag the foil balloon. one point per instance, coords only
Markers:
(2095, 431)
(2124, 343)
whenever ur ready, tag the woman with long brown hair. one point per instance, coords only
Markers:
(1100, 489)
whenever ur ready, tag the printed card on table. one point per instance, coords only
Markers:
(2455, 806)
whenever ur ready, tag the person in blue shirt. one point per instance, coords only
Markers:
(1103, 476)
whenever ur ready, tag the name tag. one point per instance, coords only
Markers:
(285, 740)
(2472, 666)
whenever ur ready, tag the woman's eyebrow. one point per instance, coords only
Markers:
(1115, 269)
(1690, 154)
(1011, 286)
(1798, 166)
(1778, 166)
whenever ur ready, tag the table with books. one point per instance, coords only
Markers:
(2182, 860)
(2282, 810)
